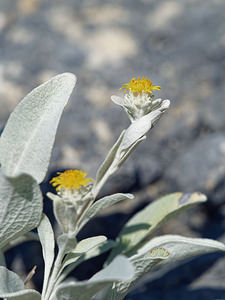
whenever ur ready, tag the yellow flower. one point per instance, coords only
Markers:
(140, 85)
(70, 179)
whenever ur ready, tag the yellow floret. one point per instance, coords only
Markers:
(70, 179)
(140, 85)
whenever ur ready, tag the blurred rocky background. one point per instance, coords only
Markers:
(179, 45)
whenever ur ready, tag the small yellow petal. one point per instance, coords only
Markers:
(140, 85)
(70, 179)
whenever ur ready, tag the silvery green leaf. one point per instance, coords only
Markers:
(181, 248)
(27, 140)
(105, 166)
(72, 260)
(27, 294)
(102, 204)
(65, 214)
(118, 100)
(130, 150)
(2, 259)
(119, 269)
(83, 249)
(9, 282)
(143, 264)
(141, 126)
(59, 210)
(66, 243)
(144, 223)
(29, 236)
(161, 251)
(47, 240)
(89, 243)
(12, 287)
(21, 206)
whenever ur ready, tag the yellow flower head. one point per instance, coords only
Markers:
(70, 179)
(140, 85)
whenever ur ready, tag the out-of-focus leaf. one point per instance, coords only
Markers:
(181, 247)
(72, 260)
(143, 264)
(119, 270)
(144, 223)
(29, 236)
(12, 287)
(2, 259)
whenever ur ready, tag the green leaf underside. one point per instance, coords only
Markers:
(97, 246)
(138, 129)
(108, 160)
(102, 204)
(143, 264)
(181, 247)
(145, 222)
(158, 252)
(47, 240)
(12, 287)
(119, 269)
(21, 206)
(87, 244)
(27, 140)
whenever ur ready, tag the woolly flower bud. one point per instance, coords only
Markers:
(138, 100)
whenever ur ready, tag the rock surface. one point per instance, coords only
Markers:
(180, 45)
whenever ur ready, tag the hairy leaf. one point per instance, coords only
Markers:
(102, 204)
(12, 287)
(144, 223)
(21, 206)
(119, 269)
(47, 240)
(141, 126)
(27, 140)
(181, 247)
(143, 264)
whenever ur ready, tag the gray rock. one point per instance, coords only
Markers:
(201, 167)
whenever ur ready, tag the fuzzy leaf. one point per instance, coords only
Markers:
(29, 236)
(144, 223)
(27, 140)
(161, 251)
(12, 287)
(47, 240)
(143, 264)
(72, 260)
(87, 249)
(2, 259)
(102, 204)
(107, 163)
(181, 248)
(130, 150)
(21, 206)
(89, 243)
(119, 269)
(141, 126)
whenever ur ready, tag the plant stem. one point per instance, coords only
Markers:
(55, 272)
